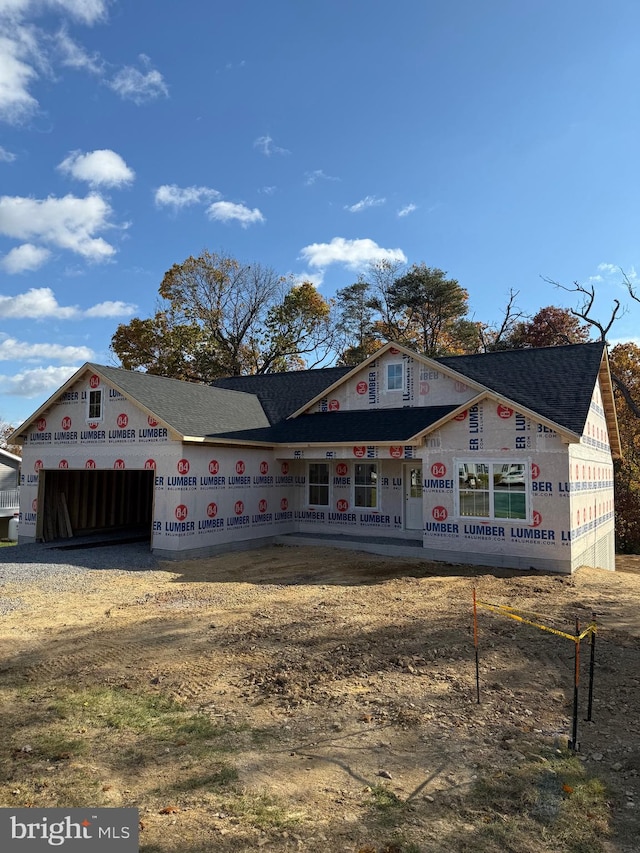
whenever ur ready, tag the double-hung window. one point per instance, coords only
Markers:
(95, 405)
(365, 477)
(394, 377)
(493, 489)
(318, 484)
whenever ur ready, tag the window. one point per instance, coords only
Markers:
(95, 405)
(318, 484)
(366, 485)
(492, 490)
(394, 377)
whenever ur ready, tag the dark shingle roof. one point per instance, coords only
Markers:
(360, 426)
(556, 382)
(189, 408)
(281, 394)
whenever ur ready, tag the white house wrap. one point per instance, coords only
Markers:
(498, 459)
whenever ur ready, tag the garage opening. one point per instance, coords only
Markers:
(86, 503)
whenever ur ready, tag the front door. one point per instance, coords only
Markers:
(412, 497)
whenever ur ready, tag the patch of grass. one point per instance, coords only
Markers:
(555, 799)
(117, 708)
(264, 811)
(388, 807)
(57, 746)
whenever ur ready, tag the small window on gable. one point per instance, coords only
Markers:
(95, 405)
(394, 377)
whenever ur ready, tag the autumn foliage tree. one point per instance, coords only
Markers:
(219, 317)
(625, 364)
(549, 327)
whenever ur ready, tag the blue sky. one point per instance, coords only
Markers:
(497, 140)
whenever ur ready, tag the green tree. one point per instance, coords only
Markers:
(427, 308)
(220, 317)
(356, 325)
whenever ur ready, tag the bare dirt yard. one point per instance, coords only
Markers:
(323, 700)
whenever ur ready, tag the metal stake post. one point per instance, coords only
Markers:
(475, 643)
(592, 664)
(573, 743)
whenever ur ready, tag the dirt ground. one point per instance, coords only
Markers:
(324, 700)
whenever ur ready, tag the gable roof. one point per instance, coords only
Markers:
(187, 408)
(368, 426)
(282, 394)
(555, 382)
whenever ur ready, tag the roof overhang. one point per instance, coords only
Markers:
(18, 436)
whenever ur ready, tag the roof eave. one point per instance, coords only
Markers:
(471, 383)
(609, 405)
(17, 436)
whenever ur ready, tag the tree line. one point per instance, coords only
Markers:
(217, 316)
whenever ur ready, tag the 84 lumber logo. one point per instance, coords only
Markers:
(33, 830)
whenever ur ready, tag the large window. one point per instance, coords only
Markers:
(492, 490)
(366, 485)
(394, 377)
(318, 484)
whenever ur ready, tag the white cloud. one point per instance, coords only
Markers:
(111, 309)
(68, 222)
(139, 86)
(267, 190)
(87, 11)
(314, 278)
(25, 258)
(98, 168)
(36, 303)
(227, 211)
(25, 50)
(171, 195)
(14, 350)
(16, 102)
(40, 303)
(6, 156)
(310, 178)
(265, 144)
(354, 254)
(73, 55)
(363, 204)
(40, 380)
(406, 210)
(609, 269)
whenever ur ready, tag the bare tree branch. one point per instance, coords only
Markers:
(588, 295)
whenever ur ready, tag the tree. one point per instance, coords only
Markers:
(299, 326)
(5, 432)
(356, 325)
(161, 346)
(550, 327)
(427, 306)
(625, 363)
(220, 317)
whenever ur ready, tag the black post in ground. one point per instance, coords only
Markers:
(475, 643)
(573, 743)
(592, 664)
